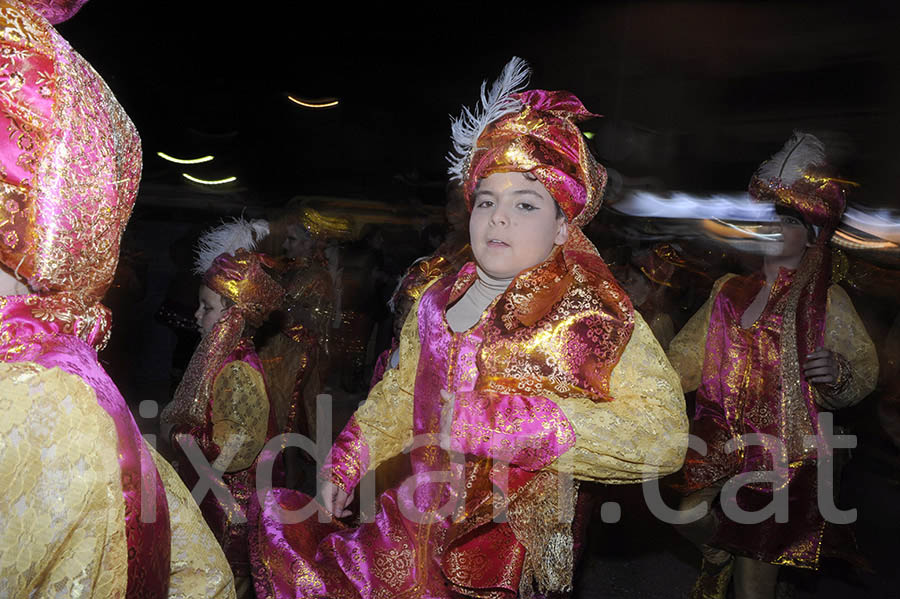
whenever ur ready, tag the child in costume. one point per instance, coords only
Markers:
(525, 367)
(768, 354)
(87, 507)
(222, 404)
(295, 358)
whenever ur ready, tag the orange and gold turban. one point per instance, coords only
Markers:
(543, 139)
(798, 177)
(242, 279)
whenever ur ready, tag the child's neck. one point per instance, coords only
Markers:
(492, 283)
(772, 264)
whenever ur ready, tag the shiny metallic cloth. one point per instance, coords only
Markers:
(543, 139)
(242, 280)
(70, 163)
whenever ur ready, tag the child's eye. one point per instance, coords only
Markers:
(527, 207)
(483, 203)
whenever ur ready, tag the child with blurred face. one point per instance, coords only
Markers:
(769, 353)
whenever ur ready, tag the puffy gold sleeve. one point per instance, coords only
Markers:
(382, 425)
(198, 568)
(846, 336)
(688, 349)
(386, 417)
(62, 516)
(642, 433)
(240, 414)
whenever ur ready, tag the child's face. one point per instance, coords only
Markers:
(794, 238)
(298, 243)
(513, 224)
(210, 310)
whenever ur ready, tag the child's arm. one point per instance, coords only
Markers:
(642, 433)
(852, 349)
(240, 416)
(382, 426)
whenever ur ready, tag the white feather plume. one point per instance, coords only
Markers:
(228, 237)
(800, 152)
(494, 104)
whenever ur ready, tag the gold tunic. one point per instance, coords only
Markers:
(64, 534)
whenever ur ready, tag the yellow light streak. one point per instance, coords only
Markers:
(852, 241)
(306, 104)
(589, 134)
(200, 160)
(206, 182)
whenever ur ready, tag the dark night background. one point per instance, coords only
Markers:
(694, 93)
(695, 96)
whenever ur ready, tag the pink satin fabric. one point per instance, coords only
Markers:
(406, 548)
(741, 393)
(56, 11)
(230, 533)
(30, 333)
(510, 428)
(71, 160)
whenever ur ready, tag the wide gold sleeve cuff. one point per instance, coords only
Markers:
(687, 351)
(240, 414)
(386, 417)
(642, 433)
(846, 336)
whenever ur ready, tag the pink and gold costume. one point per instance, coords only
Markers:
(295, 359)
(559, 377)
(222, 403)
(749, 380)
(88, 508)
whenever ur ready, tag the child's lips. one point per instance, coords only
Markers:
(497, 243)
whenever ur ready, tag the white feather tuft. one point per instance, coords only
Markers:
(494, 104)
(228, 237)
(800, 152)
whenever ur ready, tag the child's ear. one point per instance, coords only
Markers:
(562, 234)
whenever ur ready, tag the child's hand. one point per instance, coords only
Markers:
(820, 367)
(335, 499)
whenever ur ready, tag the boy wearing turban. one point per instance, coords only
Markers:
(524, 370)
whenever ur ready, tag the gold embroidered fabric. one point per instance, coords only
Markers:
(198, 566)
(386, 417)
(240, 413)
(642, 433)
(846, 335)
(62, 516)
(541, 518)
(687, 351)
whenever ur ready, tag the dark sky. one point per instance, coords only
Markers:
(695, 94)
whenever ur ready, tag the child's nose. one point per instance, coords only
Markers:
(499, 216)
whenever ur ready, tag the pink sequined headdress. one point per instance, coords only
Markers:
(70, 163)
